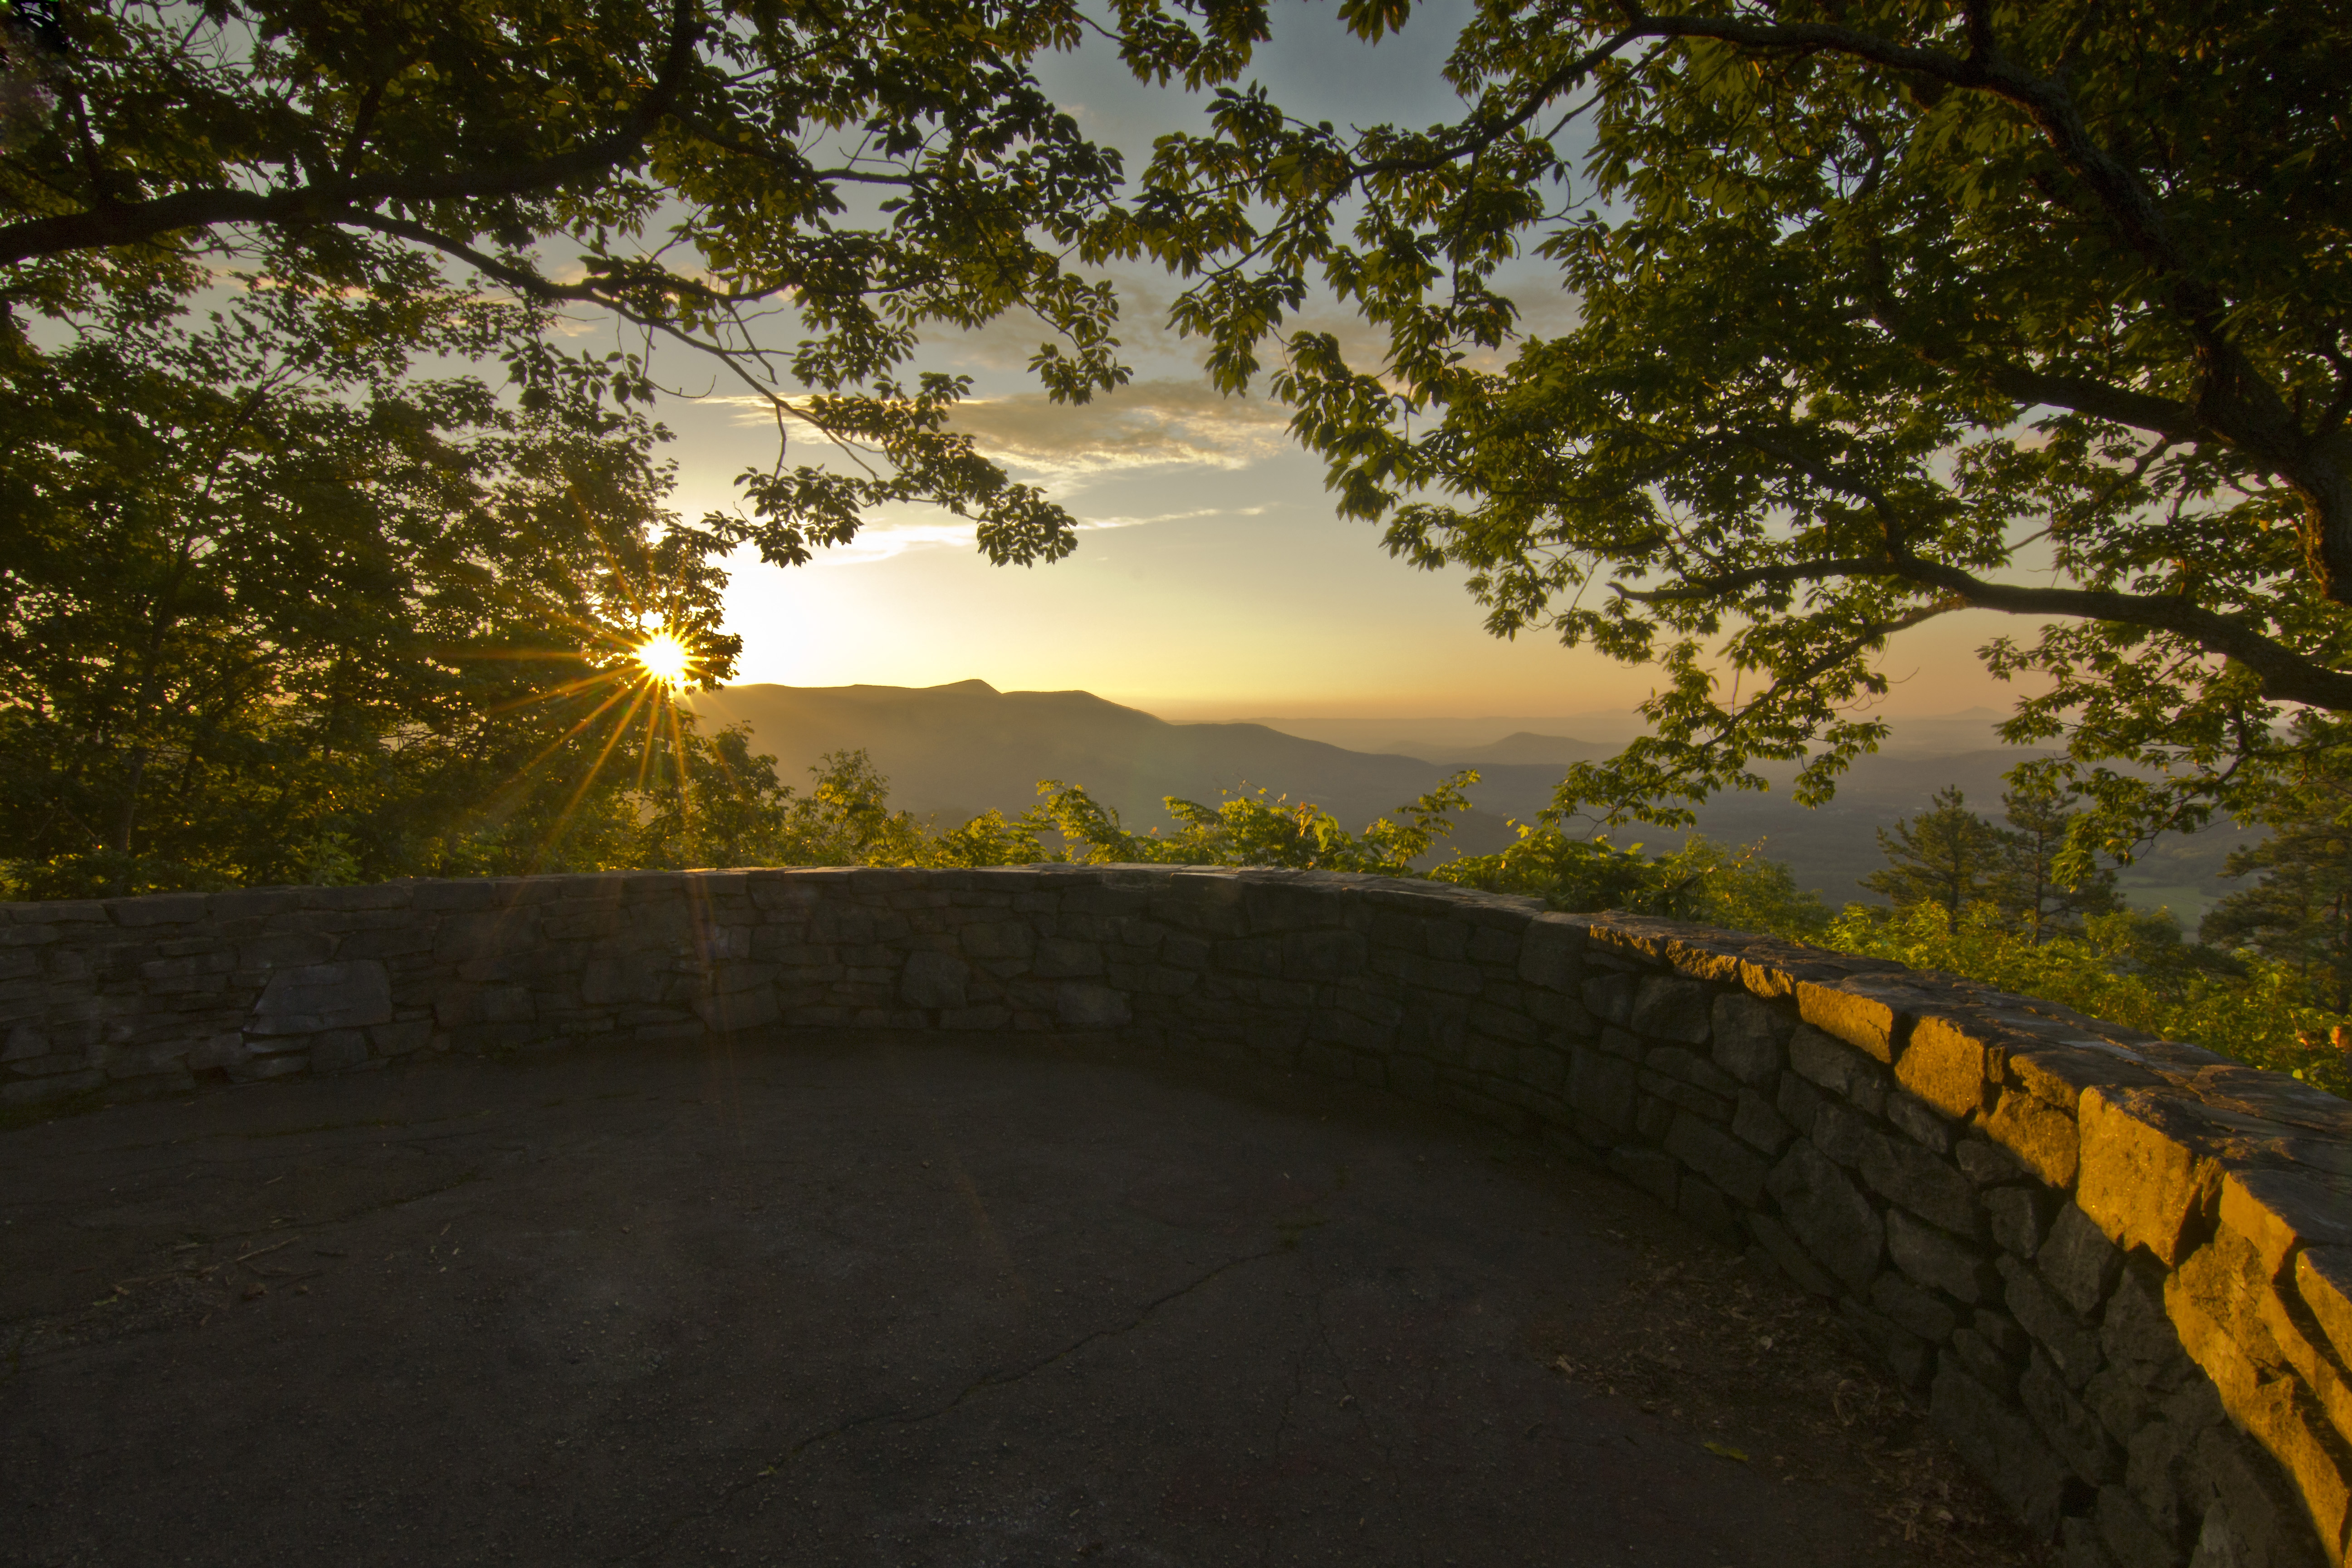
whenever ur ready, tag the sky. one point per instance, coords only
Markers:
(1212, 579)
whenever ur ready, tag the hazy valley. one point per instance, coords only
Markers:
(957, 750)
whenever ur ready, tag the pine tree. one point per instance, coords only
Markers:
(1946, 856)
(2038, 814)
(2300, 913)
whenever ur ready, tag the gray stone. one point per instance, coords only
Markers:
(1938, 1259)
(2079, 1545)
(1653, 1115)
(1324, 955)
(2017, 1216)
(2071, 1431)
(312, 997)
(1603, 1088)
(1898, 1170)
(2136, 1331)
(1754, 1121)
(2267, 1522)
(1773, 1240)
(2152, 1466)
(2217, 1543)
(2119, 1401)
(732, 1012)
(1082, 1006)
(1666, 1008)
(1618, 1043)
(1688, 1067)
(2078, 1260)
(934, 978)
(1919, 1121)
(60, 1086)
(464, 1005)
(1059, 958)
(1984, 1362)
(1985, 1162)
(2002, 1332)
(1829, 1215)
(1652, 1170)
(999, 938)
(1912, 1308)
(1609, 996)
(217, 1052)
(1708, 1210)
(1735, 1169)
(399, 1040)
(1799, 1101)
(337, 1050)
(1999, 1444)
(1716, 1108)
(2044, 1314)
(1747, 1038)
(1839, 1068)
(1551, 953)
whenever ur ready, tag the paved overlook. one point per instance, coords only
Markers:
(898, 1302)
(1054, 1214)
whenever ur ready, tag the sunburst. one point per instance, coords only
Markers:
(666, 661)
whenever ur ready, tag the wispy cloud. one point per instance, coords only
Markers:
(1153, 424)
(1166, 423)
(885, 540)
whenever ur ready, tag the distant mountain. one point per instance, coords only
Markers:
(962, 749)
(1520, 746)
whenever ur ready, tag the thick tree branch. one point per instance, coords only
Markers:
(2099, 399)
(1705, 588)
(115, 222)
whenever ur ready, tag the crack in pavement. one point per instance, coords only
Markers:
(1371, 1434)
(980, 1386)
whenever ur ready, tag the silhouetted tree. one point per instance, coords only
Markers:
(1946, 856)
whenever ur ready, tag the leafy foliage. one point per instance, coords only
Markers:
(1703, 880)
(1949, 856)
(1881, 311)
(273, 607)
(792, 194)
(2299, 914)
(2127, 968)
(1252, 830)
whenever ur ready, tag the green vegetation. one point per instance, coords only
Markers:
(2266, 982)
(786, 196)
(2130, 969)
(1881, 311)
(290, 591)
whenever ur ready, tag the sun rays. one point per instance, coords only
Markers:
(666, 661)
(631, 695)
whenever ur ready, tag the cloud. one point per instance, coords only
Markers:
(885, 541)
(1152, 424)
(1167, 422)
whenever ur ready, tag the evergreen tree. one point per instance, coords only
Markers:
(1946, 856)
(2032, 890)
(2300, 912)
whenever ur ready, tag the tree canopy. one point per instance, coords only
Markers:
(276, 607)
(1878, 312)
(794, 191)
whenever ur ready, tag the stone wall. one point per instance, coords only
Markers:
(2117, 1270)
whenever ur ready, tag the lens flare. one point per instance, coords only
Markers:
(665, 659)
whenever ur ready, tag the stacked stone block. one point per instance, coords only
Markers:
(2117, 1270)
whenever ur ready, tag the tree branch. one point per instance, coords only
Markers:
(131, 223)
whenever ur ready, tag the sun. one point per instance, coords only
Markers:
(665, 659)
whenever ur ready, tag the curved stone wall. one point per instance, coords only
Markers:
(2118, 1270)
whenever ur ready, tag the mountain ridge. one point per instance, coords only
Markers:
(956, 749)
